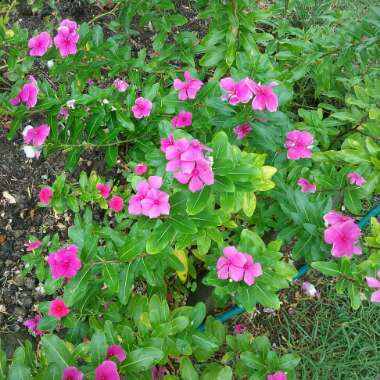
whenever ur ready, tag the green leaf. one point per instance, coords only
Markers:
(289, 361)
(56, 351)
(212, 57)
(266, 297)
(77, 287)
(97, 35)
(183, 224)
(330, 268)
(126, 283)
(19, 371)
(142, 359)
(198, 201)
(111, 155)
(160, 238)
(3, 364)
(352, 201)
(187, 369)
(98, 348)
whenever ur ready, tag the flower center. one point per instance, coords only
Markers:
(195, 172)
(156, 202)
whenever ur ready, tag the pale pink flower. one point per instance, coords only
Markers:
(309, 289)
(334, 217)
(120, 85)
(67, 38)
(237, 92)
(142, 108)
(117, 351)
(187, 89)
(373, 282)
(299, 144)
(141, 169)
(265, 97)
(278, 375)
(36, 136)
(231, 264)
(32, 325)
(39, 44)
(90, 82)
(306, 186)
(27, 95)
(182, 120)
(239, 329)
(251, 270)
(116, 203)
(64, 262)
(155, 203)
(32, 151)
(356, 179)
(58, 309)
(166, 142)
(63, 113)
(72, 373)
(104, 189)
(107, 371)
(344, 239)
(71, 25)
(45, 195)
(242, 131)
(31, 246)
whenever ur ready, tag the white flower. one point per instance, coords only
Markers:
(105, 101)
(50, 63)
(32, 151)
(71, 103)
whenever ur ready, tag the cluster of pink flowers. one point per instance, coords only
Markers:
(238, 266)
(65, 262)
(242, 92)
(242, 130)
(149, 200)
(27, 95)
(32, 325)
(306, 186)
(373, 282)
(116, 203)
(343, 234)
(188, 162)
(188, 88)
(34, 138)
(356, 179)
(278, 375)
(299, 144)
(67, 38)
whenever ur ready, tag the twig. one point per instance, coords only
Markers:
(104, 14)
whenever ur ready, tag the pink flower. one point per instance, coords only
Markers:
(344, 239)
(251, 270)
(334, 217)
(32, 325)
(45, 195)
(265, 97)
(182, 120)
(200, 176)
(299, 144)
(309, 289)
(237, 92)
(373, 282)
(242, 130)
(118, 351)
(90, 82)
(64, 262)
(356, 179)
(72, 373)
(63, 113)
(31, 246)
(279, 375)
(120, 85)
(39, 45)
(36, 136)
(155, 203)
(239, 329)
(27, 95)
(142, 108)
(165, 143)
(58, 309)
(141, 169)
(67, 38)
(107, 371)
(231, 264)
(104, 189)
(158, 373)
(187, 89)
(306, 186)
(116, 203)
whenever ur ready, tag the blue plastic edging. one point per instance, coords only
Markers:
(237, 310)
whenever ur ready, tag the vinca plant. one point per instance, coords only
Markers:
(232, 160)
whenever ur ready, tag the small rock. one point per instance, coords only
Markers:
(9, 198)
(19, 311)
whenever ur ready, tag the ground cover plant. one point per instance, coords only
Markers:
(234, 155)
